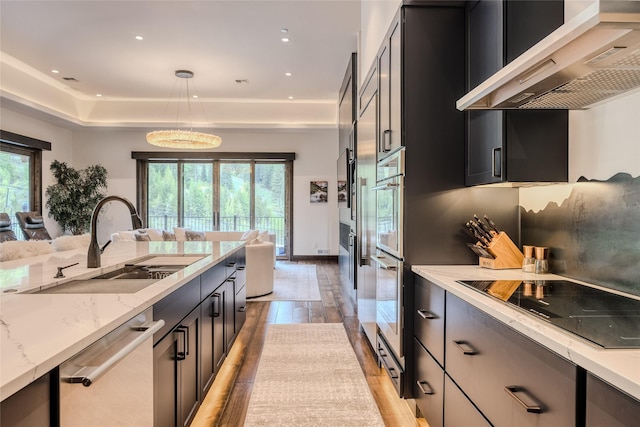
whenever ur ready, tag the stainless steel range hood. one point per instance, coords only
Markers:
(592, 58)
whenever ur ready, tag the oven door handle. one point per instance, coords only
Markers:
(381, 261)
(87, 375)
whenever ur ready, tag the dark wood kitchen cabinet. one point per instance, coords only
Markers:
(33, 405)
(511, 379)
(201, 324)
(428, 388)
(347, 111)
(176, 393)
(608, 406)
(458, 410)
(389, 93)
(512, 145)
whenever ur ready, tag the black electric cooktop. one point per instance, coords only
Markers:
(606, 319)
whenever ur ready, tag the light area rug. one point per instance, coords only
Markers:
(308, 375)
(293, 282)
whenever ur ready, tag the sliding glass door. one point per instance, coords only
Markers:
(220, 195)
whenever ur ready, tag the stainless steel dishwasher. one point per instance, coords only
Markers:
(110, 383)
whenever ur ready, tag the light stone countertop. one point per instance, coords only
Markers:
(619, 367)
(40, 331)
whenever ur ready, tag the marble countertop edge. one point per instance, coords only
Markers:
(618, 367)
(32, 346)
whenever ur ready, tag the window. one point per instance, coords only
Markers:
(231, 193)
(20, 175)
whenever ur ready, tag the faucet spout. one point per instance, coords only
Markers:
(93, 256)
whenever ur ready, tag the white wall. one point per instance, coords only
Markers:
(603, 141)
(61, 140)
(315, 226)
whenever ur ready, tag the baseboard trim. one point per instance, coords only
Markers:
(330, 258)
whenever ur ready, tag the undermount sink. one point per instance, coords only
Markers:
(126, 280)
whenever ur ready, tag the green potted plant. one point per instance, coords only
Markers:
(72, 198)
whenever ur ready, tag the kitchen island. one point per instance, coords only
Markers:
(620, 367)
(40, 331)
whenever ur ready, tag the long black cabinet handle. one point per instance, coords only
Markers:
(426, 314)
(186, 339)
(513, 389)
(216, 305)
(386, 143)
(181, 355)
(496, 162)
(424, 387)
(465, 348)
(393, 373)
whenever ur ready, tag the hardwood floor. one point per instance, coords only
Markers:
(227, 401)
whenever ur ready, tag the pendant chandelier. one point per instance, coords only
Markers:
(181, 138)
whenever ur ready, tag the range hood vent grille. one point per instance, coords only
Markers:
(588, 60)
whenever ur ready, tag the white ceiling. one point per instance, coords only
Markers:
(220, 41)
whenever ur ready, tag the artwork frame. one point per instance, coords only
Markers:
(343, 194)
(318, 191)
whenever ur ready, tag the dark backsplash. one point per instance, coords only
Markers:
(594, 235)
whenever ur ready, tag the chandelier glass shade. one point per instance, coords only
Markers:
(181, 138)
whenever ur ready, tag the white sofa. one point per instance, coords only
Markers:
(261, 258)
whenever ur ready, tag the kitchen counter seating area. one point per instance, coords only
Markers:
(40, 331)
(469, 342)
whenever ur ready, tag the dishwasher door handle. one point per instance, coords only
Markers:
(95, 372)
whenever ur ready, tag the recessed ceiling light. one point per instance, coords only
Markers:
(291, 97)
(55, 71)
(195, 96)
(284, 30)
(286, 39)
(287, 74)
(98, 94)
(139, 38)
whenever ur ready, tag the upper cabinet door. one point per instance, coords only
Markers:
(485, 57)
(512, 145)
(347, 113)
(390, 68)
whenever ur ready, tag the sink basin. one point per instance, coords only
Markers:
(126, 280)
(99, 286)
(141, 272)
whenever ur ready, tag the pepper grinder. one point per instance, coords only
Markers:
(529, 262)
(542, 263)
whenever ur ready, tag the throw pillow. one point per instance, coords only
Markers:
(142, 237)
(155, 234)
(249, 235)
(168, 237)
(194, 236)
(180, 233)
(263, 236)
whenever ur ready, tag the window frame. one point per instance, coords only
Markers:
(143, 159)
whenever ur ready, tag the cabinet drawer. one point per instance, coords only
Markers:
(429, 317)
(511, 379)
(211, 279)
(608, 406)
(428, 388)
(241, 279)
(241, 308)
(458, 410)
(175, 307)
(389, 363)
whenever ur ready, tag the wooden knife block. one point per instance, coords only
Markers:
(506, 253)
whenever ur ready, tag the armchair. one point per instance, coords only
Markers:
(6, 232)
(32, 226)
